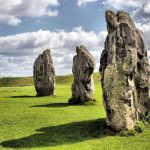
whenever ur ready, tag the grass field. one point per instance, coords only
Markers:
(29, 122)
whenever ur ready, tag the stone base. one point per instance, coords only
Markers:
(41, 95)
(77, 101)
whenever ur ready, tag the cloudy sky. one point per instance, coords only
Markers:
(27, 27)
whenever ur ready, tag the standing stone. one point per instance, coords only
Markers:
(44, 74)
(83, 85)
(124, 72)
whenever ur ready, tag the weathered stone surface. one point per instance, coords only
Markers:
(83, 68)
(44, 74)
(124, 72)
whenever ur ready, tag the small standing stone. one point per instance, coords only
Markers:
(124, 73)
(44, 74)
(83, 85)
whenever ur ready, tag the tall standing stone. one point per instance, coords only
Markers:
(83, 68)
(44, 74)
(124, 72)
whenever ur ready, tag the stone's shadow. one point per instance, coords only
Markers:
(62, 134)
(23, 96)
(53, 105)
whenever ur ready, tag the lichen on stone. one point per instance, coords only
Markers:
(44, 74)
(83, 84)
(124, 72)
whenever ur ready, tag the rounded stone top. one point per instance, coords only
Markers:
(82, 51)
(109, 13)
(111, 19)
(47, 51)
(114, 19)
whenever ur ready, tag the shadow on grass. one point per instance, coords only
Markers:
(53, 105)
(61, 134)
(23, 96)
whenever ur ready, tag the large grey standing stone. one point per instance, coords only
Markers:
(83, 85)
(124, 72)
(44, 74)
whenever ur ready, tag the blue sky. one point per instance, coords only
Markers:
(70, 15)
(29, 27)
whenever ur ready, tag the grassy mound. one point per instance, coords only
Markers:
(28, 81)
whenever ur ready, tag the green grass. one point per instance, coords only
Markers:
(29, 122)
(28, 81)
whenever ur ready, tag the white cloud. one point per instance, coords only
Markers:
(138, 9)
(142, 14)
(81, 3)
(146, 30)
(18, 52)
(12, 10)
(52, 13)
(123, 4)
(11, 20)
(147, 8)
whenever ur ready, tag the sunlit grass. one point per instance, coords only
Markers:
(33, 122)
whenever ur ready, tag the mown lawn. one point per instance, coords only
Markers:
(29, 122)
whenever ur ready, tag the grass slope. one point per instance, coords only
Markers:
(49, 123)
(28, 81)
